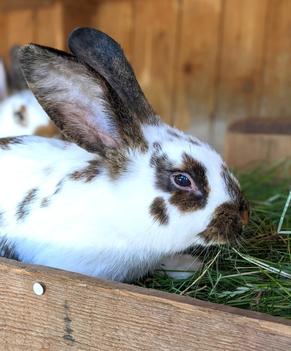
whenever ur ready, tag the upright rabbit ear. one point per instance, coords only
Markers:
(3, 80)
(106, 57)
(81, 104)
(16, 78)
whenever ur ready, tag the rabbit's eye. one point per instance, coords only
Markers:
(183, 181)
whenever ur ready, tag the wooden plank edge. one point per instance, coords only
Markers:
(269, 323)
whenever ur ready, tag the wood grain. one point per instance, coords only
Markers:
(20, 26)
(81, 313)
(52, 15)
(155, 49)
(240, 69)
(276, 93)
(20, 4)
(197, 53)
(116, 19)
(253, 141)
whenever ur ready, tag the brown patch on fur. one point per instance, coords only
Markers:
(48, 130)
(23, 206)
(161, 162)
(174, 134)
(45, 202)
(158, 210)
(6, 142)
(59, 186)
(225, 226)
(236, 195)
(7, 249)
(20, 116)
(157, 146)
(116, 163)
(193, 142)
(88, 173)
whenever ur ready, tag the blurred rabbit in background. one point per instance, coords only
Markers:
(20, 113)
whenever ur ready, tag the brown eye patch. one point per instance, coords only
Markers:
(186, 201)
(158, 210)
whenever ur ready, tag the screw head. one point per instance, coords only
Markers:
(38, 288)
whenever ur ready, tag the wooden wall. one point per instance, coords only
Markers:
(202, 63)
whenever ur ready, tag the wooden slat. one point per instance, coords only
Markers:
(196, 65)
(252, 141)
(22, 4)
(248, 150)
(154, 51)
(276, 93)
(3, 36)
(49, 29)
(81, 313)
(239, 73)
(76, 14)
(116, 19)
(20, 26)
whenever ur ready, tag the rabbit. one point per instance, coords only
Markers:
(20, 113)
(125, 190)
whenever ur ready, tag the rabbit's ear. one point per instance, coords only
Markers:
(78, 100)
(16, 79)
(3, 80)
(106, 57)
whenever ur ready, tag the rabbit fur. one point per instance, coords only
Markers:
(125, 190)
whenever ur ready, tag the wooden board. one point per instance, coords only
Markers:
(20, 26)
(197, 58)
(120, 26)
(276, 93)
(81, 313)
(155, 49)
(258, 140)
(53, 16)
(240, 64)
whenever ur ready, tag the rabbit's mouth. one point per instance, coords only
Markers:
(226, 225)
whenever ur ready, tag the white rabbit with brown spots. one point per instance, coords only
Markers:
(126, 190)
(20, 112)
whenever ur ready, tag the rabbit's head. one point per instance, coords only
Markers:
(20, 113)
(165, 177)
